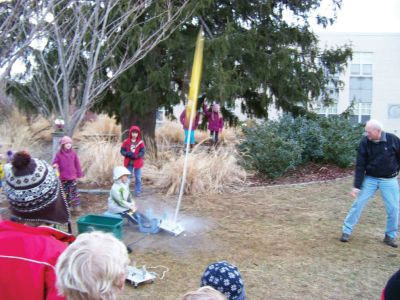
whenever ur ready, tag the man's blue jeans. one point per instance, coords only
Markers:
(390, 193)
(138, 179)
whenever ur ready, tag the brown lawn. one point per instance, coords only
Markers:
(284, 239)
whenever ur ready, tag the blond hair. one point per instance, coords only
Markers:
(204, 293)
(93, 267)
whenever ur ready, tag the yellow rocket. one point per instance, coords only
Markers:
(195, 78)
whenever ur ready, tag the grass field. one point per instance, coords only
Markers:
(284, 239)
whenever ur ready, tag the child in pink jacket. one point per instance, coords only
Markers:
(69, 168)
(215, 120)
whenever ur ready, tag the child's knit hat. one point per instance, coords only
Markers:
(65, 140)
(225, 278)
(34, 191)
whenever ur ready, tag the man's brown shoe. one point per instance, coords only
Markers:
(390, 241)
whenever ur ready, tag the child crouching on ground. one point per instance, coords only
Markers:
(120, 200)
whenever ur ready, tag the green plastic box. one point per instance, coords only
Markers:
(102, 223)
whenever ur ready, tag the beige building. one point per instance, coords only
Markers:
(372, 78)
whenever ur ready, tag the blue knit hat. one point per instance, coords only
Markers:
(225, 278)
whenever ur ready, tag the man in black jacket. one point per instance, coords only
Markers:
(377, 167)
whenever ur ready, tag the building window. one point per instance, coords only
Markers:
(361, 80)
(361, 89)
(361, 69)
(361, 113)
(327, 110)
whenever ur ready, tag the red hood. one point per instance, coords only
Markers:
(135, 128)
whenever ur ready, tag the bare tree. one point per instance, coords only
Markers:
(89, 45)
(21, 22)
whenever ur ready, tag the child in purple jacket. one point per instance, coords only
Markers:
(215, 120)
(69, 168)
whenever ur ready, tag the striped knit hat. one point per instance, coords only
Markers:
(34, 191)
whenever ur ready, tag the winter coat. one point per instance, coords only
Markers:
(68, 164)
(120, 196)
(185, 122)
(377, 159)
(215, 122)
(392, 288)
(28, 256)
(133, 153)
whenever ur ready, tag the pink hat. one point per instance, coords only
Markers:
(65, 140)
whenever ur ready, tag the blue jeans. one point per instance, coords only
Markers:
(390, 194)
(138, 179)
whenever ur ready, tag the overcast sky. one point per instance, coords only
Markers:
(367, 16)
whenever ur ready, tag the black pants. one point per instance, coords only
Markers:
(214, 136)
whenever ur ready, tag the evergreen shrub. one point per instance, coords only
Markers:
(342, 139)
(267, 152)
(273, 147)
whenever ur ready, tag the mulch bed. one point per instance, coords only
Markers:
(301, 174)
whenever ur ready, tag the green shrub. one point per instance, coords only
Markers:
(267, 152)
(306, 132)
(273, 147)
(342, 140)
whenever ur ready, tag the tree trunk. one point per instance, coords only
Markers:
(146, 121)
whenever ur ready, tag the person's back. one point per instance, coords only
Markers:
(28, 256)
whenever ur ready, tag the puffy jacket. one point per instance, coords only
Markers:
(28, 256)
(377, 159)
(215, 122)
(133, 153)
(185, 122)
(120, 197)
(68, 164)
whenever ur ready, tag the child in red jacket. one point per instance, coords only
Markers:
(133, 151)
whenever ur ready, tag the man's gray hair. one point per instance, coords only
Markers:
(375, 124)
(92, 267)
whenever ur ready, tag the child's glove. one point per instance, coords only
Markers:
(130, 155)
